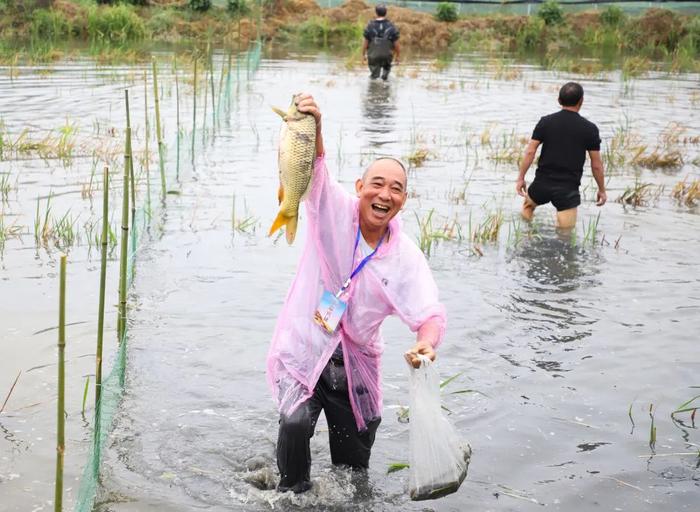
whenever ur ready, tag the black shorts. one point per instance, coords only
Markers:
(563, 196)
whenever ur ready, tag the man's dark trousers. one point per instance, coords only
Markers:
(348, 446)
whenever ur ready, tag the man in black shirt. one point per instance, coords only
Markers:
(381, 44)
(565, 137)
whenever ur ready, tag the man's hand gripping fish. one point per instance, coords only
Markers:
(296, 156)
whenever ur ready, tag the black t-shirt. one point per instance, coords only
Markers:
(381, 28)
(565, 138)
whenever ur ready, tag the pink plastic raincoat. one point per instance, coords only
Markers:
(396, 280)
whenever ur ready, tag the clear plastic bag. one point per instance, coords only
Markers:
(438, 458)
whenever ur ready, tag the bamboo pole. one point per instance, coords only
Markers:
(194, 108)
(147, 136)
(213, 96)
(221, 90)
(177, 116)
(60, 409)
(101, 307)
(206, 93)
(123, 254)
(131, 169)
(159, 133)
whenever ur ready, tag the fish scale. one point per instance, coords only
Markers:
(297, 151)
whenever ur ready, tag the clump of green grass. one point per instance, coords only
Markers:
(429, 235)
(243, 224)
(5, 186)
(488, 229)
(117, 24)
(7, 232)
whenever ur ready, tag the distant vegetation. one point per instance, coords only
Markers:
(559, 38)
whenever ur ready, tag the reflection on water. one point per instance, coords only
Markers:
(378, 108)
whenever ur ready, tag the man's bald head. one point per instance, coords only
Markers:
(385, 162)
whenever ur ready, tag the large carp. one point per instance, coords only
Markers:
(296, 163)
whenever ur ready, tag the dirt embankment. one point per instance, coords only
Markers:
(417, 29)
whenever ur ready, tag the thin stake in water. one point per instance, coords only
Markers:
(159, 133)
(101, 306)
(121, 321)
(194, 108)
(60, 408)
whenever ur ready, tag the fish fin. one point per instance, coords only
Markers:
(280, 220)
(280, 194)
(280, 112)
(291, 231)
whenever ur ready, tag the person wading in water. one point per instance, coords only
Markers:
(357, 268)
(380, 45)
(565, 137)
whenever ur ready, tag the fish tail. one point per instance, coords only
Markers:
(289, 222)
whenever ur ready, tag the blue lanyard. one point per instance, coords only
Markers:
(361, 265)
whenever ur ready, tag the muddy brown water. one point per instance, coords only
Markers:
(556, 339)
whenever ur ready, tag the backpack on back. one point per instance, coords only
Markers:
(380, 47)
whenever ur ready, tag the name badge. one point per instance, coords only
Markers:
(329, 312)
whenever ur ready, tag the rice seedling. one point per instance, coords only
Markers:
(246, 224)
(687, 193)
(429, 235)
(63, 231)
(658, 159)
(60, 405)
(7, 232)
(488, 229)
(590, 230)
(640, 194)
(42, 230)
(687, 406)
(5, 186)
(418, 157)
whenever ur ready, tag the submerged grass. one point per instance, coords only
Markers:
(687, 193)
(640, 194)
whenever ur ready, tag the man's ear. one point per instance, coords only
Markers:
(358, 186)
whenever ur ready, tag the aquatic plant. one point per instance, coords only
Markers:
(429, 234)
(687, 193)
(659, 158)
(687, 406)
(5, 186)
(245, 224)
(8, 231)
(418, 157)
(639, 194)
(488, 229)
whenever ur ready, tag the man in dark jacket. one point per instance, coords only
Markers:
(381, 44)
(566, 137)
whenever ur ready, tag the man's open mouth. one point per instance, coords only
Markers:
(380, 208)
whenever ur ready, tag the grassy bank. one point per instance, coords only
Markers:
(657, 38)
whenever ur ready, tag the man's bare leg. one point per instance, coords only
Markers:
(566, 219)
(528, 209)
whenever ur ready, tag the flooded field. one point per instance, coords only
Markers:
(576, 350)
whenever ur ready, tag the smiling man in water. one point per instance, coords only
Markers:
(357, 268)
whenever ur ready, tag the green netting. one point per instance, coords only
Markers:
(113, 384)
